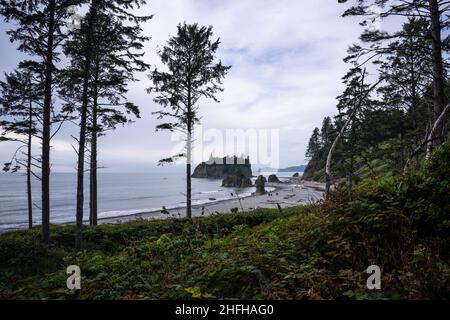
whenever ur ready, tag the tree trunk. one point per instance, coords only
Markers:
(82, 138)
(30, 137)
(352, 158)
(45, 179)
(188, 186)
(93, 178)
(434, 128)
(330, 153)
(93, 169)
(333, 146)
(438, 66)
(413, 108)
(189, 161)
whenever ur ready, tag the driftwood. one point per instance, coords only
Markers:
(430, 138)
(434, 128)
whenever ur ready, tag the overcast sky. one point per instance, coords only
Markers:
(286, 58)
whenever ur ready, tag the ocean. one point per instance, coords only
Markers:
(119, 194)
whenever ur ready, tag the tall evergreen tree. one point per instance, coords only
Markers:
(21, 106)
(314, 144)
(326, 132)
(435, 13)
(86, 48)
(406, 87)
(350, 103)
(105, 52)
(193, 73)
(118, 55)
(40, 29)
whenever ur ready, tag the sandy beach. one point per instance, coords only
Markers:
(288, 193)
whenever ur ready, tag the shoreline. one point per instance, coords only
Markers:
(292, 192)
(288, 193)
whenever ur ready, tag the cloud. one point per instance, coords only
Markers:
(287, 64)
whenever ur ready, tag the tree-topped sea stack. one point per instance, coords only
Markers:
(218, 168)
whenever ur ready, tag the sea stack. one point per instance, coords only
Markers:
(260, 185)
(274, 179)
(219, 168)
(238, 180)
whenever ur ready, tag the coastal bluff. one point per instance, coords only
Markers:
(219, 168)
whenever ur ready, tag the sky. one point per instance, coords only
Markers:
(286, 58)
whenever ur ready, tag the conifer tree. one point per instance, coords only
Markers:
(105, 52)
(21, 96)
(326, 132)
(193, 73)
(40, 28)
(314, 144)
(434, 13)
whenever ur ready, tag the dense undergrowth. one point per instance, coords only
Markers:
(309, 252)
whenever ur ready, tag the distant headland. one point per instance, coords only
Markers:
(300, 168)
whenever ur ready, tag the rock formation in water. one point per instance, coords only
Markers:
(260, 185)
(217, 168)
(237, 180)
(273, 178)
(296, 175)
